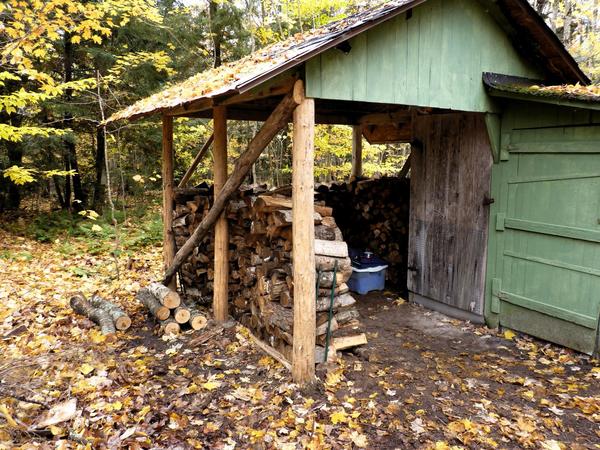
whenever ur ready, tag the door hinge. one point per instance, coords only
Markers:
(500, 217)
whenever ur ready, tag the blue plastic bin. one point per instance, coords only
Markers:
(368, 273)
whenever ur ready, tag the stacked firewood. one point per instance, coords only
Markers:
(260, 265)
(373, 215)
(168, 309)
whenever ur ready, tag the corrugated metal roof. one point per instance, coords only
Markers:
(264, 64)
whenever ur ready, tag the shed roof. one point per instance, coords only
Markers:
(528, 31)
(574, 95)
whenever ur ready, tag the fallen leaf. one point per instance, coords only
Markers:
(59, 413)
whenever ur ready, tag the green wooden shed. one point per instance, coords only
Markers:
(505, 164)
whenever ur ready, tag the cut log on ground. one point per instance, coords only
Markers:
(169, 326)
(181, 314)
(82, 306)
(164, 295)
(119, 317)
(145, 297)
(197, 319)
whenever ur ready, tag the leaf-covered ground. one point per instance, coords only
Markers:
(423, 381)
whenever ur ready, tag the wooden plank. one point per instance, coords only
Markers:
(450, 179)
(356, 152)
(197, 159)
(554, 311)
(221, 274)
(275, 123)
(167, 184)
(552, 229)
(303, 360)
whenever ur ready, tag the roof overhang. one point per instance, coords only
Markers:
(525, 89)
(234, 82)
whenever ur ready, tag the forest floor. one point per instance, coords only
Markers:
(423, 381)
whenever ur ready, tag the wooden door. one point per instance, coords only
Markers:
(545, 241)
(450, 182)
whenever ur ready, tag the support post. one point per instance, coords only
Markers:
(303, 236)
(356, 152)
(221, 276)
(167, 183)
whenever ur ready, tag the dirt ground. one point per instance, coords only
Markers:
(423, 380)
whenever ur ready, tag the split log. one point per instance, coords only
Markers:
(340, 301)
(164, 295)
(276, 121)
(337, 249)
(269, 203)
(82, 306)
(118, 316)
(169, 326)
(344, 342)
(327, 263)
(339, 290)
(145, 297)
(327, 280)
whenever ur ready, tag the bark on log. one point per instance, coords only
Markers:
(164, 295)
(276, 121)
(82, 306)
(197, 319)
(169, 326)
(340, 301)
(119, 317)
(327, 263)
(145, 297)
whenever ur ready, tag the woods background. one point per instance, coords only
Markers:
(67, 65)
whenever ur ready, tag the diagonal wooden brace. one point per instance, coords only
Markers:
(276, 121)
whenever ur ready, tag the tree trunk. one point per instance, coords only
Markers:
(99, 186)
(70, 150)
(215, 31)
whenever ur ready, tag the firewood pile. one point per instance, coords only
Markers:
(169, 310)
(260, 266)
(373, 215)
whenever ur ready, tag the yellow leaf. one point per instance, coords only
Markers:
(56, 431)
(96, 228)
(117, 405)
(442, 445)
(76, 39)
(509, 334)
(338, 417)
(6, 414)
(145, 410)
(97, 337)
(211, 385)
(86, 368)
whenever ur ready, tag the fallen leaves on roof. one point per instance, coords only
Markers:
(232, 77)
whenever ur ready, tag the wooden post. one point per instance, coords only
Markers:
(356, 152)
(303, 235)
(197, 159)
(167, 183)
(221, 280)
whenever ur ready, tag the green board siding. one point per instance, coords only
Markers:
(435, 59)
(543, 273)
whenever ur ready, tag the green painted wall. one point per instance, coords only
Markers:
(435, 58)
(543, 270)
